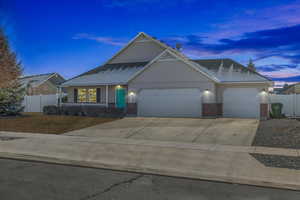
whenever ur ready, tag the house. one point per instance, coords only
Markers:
(291, 89)
(41, 84)
(148, 78)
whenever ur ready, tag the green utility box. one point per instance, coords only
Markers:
(276, 110)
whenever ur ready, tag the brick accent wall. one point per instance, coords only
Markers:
(210, 109)
(219, 109)
(264, 111)
(132, 108)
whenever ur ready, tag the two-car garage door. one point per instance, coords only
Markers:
(170, 102)
(237, 102)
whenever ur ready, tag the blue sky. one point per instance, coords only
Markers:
(71, 37)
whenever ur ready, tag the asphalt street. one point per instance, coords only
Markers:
(23, 180)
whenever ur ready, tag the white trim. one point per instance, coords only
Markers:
(48, 79)
(249, 82)
(115, 96)
(179, 58)
(106, 95)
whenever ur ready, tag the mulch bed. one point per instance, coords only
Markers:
(289, 162)
(278, 133)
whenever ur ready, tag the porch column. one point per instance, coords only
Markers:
(106, 95)
(59, 96)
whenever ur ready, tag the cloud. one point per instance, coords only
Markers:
(288, 79)
(104, 40)
(275, 67)
(281, 42)
(250, 20)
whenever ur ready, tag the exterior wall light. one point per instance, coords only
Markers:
(118, 86)
(206, 91)
(263, 92)
(271, 89)
(131, 94)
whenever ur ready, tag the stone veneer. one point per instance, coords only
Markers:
(131, 108)
(264, 111)
(212, 109)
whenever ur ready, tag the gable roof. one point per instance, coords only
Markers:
(218, 70)
(36, 80)
(142, 34)
(228, 70)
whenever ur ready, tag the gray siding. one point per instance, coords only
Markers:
(56, 80)
(172, 74)
(139, 52)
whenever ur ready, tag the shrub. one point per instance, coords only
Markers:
(64, 99)
(91, 111)
(51, 110)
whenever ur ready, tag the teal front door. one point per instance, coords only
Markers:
(120, 98)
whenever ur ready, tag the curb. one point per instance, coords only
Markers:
(164, 172)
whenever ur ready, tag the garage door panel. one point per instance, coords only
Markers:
(241, 102)
(170, 102)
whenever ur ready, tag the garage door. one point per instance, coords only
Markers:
(169, 103)
(241, 102)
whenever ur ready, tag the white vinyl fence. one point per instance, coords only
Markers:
(37, 102)
(291, 103)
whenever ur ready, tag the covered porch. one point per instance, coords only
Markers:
(98, 100)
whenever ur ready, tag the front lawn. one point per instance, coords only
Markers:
(53, 124)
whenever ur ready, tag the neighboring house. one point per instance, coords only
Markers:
(291, 89)
(149, 78)
(42, 84)
(276, 91)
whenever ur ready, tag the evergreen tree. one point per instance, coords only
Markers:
(11, 91)
(251, 65)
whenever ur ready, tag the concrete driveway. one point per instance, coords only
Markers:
(223, 131)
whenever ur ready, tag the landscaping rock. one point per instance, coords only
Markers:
(289, 162)
(278, 133)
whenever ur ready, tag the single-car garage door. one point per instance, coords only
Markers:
(241, 102)
(170, 102)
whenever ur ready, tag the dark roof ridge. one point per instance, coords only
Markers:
(37, 75)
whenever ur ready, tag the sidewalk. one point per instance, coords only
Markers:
(209, 162)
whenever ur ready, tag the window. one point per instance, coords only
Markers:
(92, 95)
(87, 95)
(81, 95)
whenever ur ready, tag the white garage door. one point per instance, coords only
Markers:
(170, 103)
(241, 102)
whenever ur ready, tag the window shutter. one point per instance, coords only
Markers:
(75, 95)
(98, 95)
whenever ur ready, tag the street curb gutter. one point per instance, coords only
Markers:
(162, 171)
